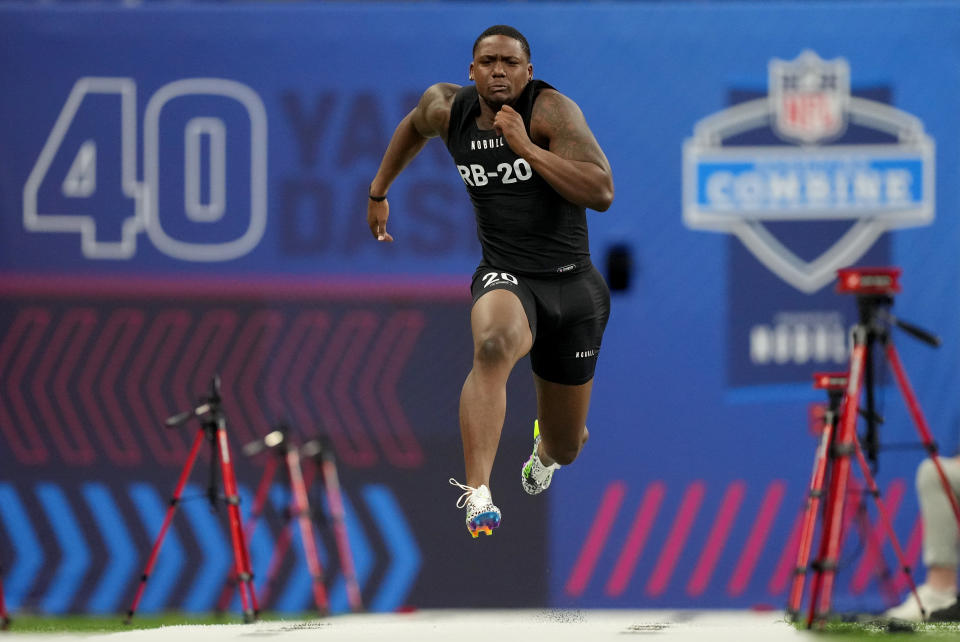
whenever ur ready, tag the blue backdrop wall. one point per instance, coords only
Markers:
(182, 192)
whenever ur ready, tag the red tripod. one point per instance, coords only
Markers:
(874, 288)
(322, 455)
(289, 456)
(213, 426)
(827, 453)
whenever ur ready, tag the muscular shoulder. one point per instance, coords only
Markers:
(431, 117)
(558, 124)
(554, 115)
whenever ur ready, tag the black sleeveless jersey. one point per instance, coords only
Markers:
(523, 224)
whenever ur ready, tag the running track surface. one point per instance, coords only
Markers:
(555, 625)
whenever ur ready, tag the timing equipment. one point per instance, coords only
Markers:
(874, 289)
(834, 383)
(213, 427)
(279, 443)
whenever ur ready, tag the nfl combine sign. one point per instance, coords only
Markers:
(806, 177)
(832, 156)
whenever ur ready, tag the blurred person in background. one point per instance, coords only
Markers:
(531, 166)
(941, 540)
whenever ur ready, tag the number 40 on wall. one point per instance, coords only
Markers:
(203, 195)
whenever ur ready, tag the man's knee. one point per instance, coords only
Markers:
(928, 479)
(566, 451)
(496, 346)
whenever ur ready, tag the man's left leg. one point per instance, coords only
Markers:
(566, 351)
(562, 415)
(561, 431)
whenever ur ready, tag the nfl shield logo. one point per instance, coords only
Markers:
(808, 97)
(736, 181)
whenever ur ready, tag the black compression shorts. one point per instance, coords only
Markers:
(567, 316)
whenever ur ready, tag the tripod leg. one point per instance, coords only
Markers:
(888, 527)
(301, 509)
(259, 501)
(181, 482)
(810, 514)
(873, 550)
(331, 483)
(921, 423)
(817, 583)
(241, 555)
(280, 549)
(844, 447)
(847, 518)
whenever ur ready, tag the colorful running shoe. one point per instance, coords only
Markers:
(482, 515)
(534, 476)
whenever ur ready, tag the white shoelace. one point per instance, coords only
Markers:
(467, 492)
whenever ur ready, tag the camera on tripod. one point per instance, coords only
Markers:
(869, 281)
(874, 288)
(830, 381)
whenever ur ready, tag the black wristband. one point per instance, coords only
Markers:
(376, 199)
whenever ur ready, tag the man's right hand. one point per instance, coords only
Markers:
(377, 214)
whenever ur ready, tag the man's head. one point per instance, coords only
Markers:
(503, 30)
(501, 65)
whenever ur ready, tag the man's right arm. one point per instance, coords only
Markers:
(430, 118)
(427, 120)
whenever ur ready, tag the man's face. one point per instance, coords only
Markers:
(501, 70)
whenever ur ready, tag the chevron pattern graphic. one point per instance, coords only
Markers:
(85, 384)
(56, 543)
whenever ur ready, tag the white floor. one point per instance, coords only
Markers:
(552, 625)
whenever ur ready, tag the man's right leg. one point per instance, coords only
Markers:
(501, 337)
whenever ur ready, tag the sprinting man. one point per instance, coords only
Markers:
(531, 166)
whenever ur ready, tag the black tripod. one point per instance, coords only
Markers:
(213, 428)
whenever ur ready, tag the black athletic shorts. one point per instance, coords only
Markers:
(567, 316)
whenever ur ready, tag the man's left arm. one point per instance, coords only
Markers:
(573, 163)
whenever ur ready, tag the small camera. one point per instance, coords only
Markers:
(830, 380)
(868, 280)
